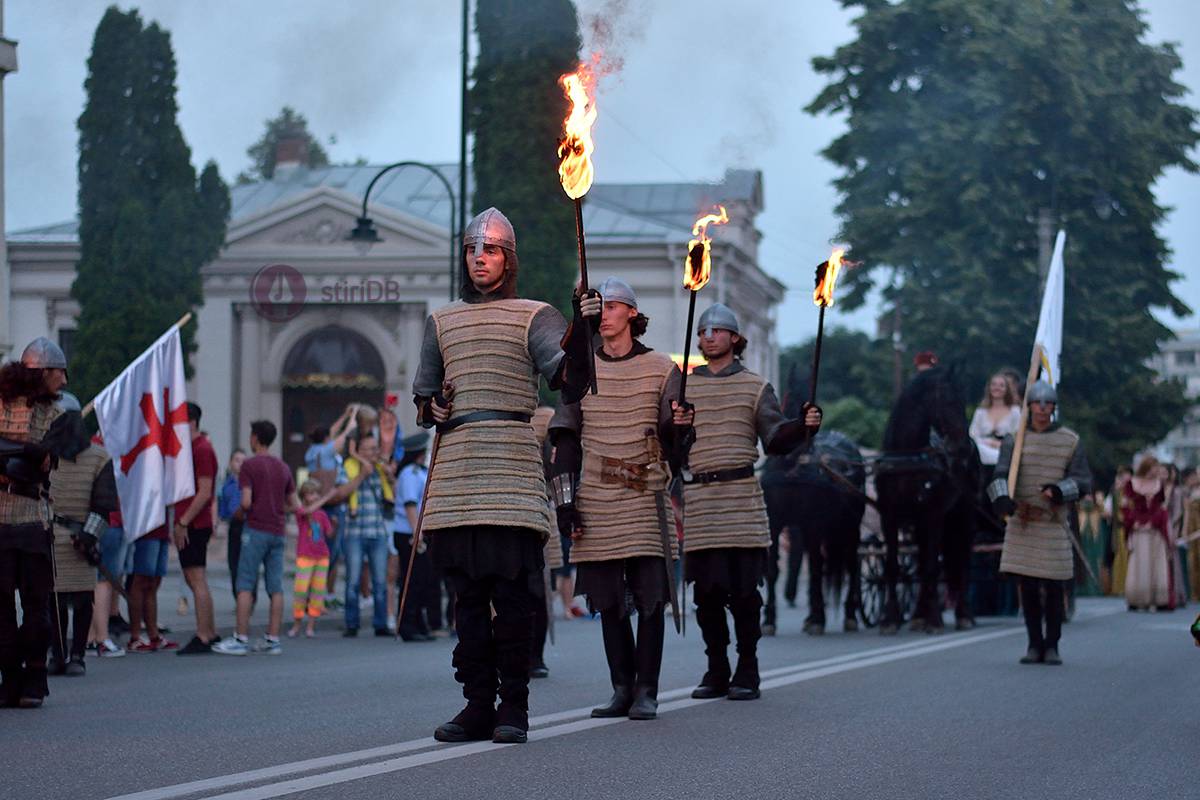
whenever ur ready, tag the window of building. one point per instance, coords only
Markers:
(1185, 358)
(66, 340)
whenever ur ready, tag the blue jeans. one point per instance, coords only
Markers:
(260, 547)
(150, 557)
(112, 553)
(376, 551)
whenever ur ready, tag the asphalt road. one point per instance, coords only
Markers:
(841, 715)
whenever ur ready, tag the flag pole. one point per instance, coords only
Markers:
(184, 320)
(1019, 444)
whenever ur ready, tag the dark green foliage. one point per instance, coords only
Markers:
(964, 119)
(517, 109)
(855, 386)
(288, 125)
(146, 224)
(851, 416)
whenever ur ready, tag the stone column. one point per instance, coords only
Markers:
(8, 63)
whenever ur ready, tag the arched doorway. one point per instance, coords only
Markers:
(324, 372)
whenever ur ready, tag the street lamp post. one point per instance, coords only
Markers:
(364, 235)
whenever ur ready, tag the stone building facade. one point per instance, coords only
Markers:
(296, 322)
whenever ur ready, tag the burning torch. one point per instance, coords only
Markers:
(697, 268)
(827, 275)
(575, 165)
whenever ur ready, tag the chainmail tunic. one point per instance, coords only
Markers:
(489, 473)
(24, 423)
(622, 423)
(71, 491)
(727, 513)
(1038, 545)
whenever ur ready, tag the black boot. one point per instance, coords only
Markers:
(476, 722)
(474, 669)
(512, 724)
(512, 635)
(745, 682)
(710, 616)
(651, 628)
(619, 650)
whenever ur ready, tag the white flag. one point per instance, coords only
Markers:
(143, 417)
(1050, 321)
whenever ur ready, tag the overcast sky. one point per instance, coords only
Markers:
(382, 75)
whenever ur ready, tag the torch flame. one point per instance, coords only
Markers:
(697, 266)
(575, 147)
(827, 275)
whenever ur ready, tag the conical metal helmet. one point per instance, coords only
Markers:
(490, 227)
(43, 354)
(1042, 392)
(718, 315)
(618, 290)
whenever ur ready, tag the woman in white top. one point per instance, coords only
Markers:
(998, 415)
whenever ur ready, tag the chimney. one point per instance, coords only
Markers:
(291, 153)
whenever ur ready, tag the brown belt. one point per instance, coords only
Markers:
(640, 476)
(1028, 512)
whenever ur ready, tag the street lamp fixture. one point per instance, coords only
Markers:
(364, 235)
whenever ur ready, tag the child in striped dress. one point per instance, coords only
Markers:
(312, 560)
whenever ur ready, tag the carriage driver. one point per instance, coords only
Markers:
(726, 534)
(1053, 472)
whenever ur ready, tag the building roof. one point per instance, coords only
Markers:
(614, 212)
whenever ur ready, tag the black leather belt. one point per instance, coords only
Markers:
(722, 475)
(72, 525)
(483, 416)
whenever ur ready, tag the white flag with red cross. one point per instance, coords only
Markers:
(143, 417)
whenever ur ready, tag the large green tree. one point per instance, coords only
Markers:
(289, 124)
(146, 223)
(967, 118)
(517, 109)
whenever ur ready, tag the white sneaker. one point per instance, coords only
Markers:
(268, 647)
(109, 649)
(231, 647)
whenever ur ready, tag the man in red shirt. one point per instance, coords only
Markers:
(193, 529)
(268, 496)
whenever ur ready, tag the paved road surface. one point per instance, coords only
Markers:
(910, 716)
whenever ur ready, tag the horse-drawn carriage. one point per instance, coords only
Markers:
(924, 488)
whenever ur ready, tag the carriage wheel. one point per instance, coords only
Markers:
(871, 569)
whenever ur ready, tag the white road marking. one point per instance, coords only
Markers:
(672, 700)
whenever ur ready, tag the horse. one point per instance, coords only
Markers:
(823, 516)
(928, 480)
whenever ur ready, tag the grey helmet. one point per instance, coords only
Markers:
(1042, 392)
(718, 315)
(43, 354)
(68, 402)
(617, 290)
(490, 227)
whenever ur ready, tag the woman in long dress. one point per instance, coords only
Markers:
(1149, 578)
(998, 415)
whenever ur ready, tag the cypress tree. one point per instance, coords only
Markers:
(146, 224)
(517, 110)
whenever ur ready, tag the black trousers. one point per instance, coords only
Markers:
(422, 608)
(1038, 611)
(74, 608)
(492, 655)
(710, 616)
(541, 619)
(23, 647)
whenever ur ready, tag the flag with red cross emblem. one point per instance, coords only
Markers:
(143, 417)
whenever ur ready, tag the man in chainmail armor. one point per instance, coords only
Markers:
(486, 514)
